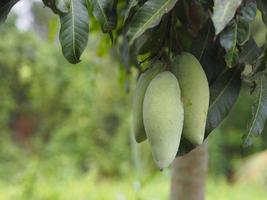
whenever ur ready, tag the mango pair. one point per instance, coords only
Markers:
(168, 104)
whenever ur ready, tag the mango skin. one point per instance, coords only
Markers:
(163, 117)
(195, 96)
(137, 108)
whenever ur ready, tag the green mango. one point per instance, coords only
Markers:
(195, 96)
(137, 108)
(163, 116)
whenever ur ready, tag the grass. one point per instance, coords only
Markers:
(33, 185)
(221, 190)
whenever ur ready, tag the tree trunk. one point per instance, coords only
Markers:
(189, 174)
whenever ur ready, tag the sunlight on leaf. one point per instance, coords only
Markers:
(223, 12)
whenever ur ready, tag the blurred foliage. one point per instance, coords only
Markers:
(225, 144)
(69, 115)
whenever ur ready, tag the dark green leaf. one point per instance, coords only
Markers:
(5, 7)
(223, 12)
(182, 9)
(223, 94)
(103, 12)
(248, 12)
(148, 16)
(259, 110)
(228, 40)
(206, 3)
(249, 53)
(74, 31)
(184, 39)
(132, 4)
(208, 52)
(262, 65)
(231, 57)
(243, 31)
(155, 38)
(201, 43)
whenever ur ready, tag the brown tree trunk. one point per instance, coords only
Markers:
(189, 175)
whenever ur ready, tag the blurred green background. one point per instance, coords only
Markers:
(66, 130)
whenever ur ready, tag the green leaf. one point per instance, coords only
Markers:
(132, 4)
(102, 10)
(248, 12)
(228, 40)
(223, 12)
(5, 7)
(200, 45)
(63, 6)
(148, 16)
(74, 31)
(259, 110)
(231, 57)
(262, 65)
(262, 6)
(243, 31)
(249, 53)
(154, 38)
(208, 52)
(223, 94)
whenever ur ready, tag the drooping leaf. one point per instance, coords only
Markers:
(249, 52)
(243, 31)
(74, 31)
(259, 110)
(262, 65)
(5, 7)
(148, 16)
(223, 94)
(262, 6)
(228, 40)
(208, 52)
(248, 12)
(103, 11)
(155, 38)
(132, 4)
(223, 12)
(231, 57)
(200, 45)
